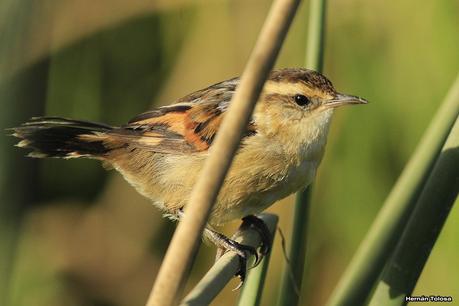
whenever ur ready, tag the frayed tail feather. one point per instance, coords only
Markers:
(61, 137)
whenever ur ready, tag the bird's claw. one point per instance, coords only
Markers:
(259, 225)
(244, 252)
(226, 244)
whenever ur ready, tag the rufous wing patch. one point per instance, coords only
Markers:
(202, 124)
(180, 128)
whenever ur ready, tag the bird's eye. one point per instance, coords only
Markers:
(302, 100)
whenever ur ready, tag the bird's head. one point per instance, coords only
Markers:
(298, 103)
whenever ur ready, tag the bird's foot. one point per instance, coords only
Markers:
(226, 244)
(259, 225)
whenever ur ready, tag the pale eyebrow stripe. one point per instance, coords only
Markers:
(291, 89)
(283, 88)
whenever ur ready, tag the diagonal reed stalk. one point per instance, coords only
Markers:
(182, 249)
(361, 275)
(435, 202)
(293, 274)
(226, 266)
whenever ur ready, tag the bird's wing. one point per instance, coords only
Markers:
(188, 126)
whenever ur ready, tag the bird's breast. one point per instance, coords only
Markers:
(261, 175)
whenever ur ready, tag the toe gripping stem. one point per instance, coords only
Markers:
(225, 244)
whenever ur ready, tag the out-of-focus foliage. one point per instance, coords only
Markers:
(82, 236)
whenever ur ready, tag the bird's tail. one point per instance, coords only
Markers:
(64, 138)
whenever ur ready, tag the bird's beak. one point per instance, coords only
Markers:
(342, 99)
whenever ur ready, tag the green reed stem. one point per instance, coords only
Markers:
(252, 291)
(362, 273)
(293, 274)
(435, 202)
(293, 270)
(316, 36)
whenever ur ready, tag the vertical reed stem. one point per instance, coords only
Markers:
(297, 253)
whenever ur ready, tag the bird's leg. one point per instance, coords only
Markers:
(225, 244)
(258, 225)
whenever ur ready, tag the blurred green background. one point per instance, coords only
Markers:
(74, 234)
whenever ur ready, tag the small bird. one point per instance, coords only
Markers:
(161, 152)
